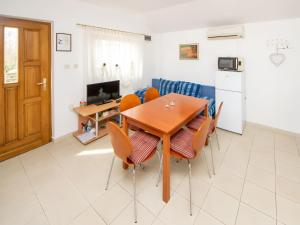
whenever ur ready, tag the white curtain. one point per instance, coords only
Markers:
(112, 55)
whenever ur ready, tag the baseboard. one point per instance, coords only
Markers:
(276, 130)
(61, 138)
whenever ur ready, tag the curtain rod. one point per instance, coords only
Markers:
(128, 32)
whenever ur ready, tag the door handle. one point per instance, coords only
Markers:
(43, 83)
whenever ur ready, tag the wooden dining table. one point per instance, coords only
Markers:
(163, 117)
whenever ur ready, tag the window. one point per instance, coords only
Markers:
(10, 55)
(113, 55)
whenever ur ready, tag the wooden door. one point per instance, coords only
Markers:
(25, 98)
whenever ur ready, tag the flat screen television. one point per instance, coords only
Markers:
(101, 93)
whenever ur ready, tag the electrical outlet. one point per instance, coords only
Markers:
(67, 66)
(71, 107)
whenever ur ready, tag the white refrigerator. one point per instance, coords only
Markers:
(230, 89)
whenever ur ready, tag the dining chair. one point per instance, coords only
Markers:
(196, 123)
(128, 102)
(186, 144)
(133, 151)
(150, 94)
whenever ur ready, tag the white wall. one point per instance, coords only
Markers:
(272, 93)
(67, 84)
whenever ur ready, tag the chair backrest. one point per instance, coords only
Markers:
(200, 136)
(120, 141)
(150, 94)
(129, 101)
(217, 115)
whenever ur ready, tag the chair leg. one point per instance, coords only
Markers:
(160, 171)
(208, 170)
(212, 158)
(120, 120)
(134, 195)
(190, 186)
(142, 166)
(158, 149)
(158, 155)
(217, 137)
(109, 174)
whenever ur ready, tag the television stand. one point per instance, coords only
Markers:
(99, 115)
(108, 101)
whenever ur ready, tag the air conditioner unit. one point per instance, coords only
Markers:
(226, 32)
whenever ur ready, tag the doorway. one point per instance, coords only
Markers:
(25, 85)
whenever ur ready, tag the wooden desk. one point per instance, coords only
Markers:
(91, 112)
(163, 122)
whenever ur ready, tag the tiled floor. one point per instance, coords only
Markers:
(257, 183)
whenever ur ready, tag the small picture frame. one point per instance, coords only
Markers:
(63, 42)
(188, 52)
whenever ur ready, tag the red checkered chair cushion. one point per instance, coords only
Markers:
(196, 123)
(181, 143)
(144, 144)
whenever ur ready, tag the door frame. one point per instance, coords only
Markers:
(49, 24)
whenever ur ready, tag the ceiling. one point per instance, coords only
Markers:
(137, 6)
(173, 15)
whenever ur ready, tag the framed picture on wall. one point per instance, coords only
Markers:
(63, 42)
(188, 52)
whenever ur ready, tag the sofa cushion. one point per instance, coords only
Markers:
(190, 89)
(167, 86)
(211, 106)
(141, 94)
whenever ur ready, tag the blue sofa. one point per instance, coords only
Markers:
(183, 87)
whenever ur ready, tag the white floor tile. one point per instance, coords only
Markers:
(91, 179)
(199, 190)
(263, 161)
(221, 206)
(88, 217)
(286, 143)
(259, 198)
(200, 170)
(231, 184)
(21, 211)
(178, 172)
(143, 179)
(61, 202)
(112, 203)
(261, 177)
(290, 172)
(144, 217)
(250, 216)
(158, 222)
(59, 179)
(288, 189)
(177, 211)
(236, 163)
(151, 197)
(38, 219)
(9, 167)
(205, 219)
(288, 211)
(287, 159)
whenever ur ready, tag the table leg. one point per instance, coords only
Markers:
(166, 168)
(206, 115)
(206, 111)
(125, 124)
(125, 128)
